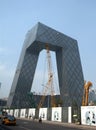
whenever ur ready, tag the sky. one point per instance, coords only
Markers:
(75, 18)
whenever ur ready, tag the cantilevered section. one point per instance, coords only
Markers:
(68, 66)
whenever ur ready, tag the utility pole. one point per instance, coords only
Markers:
(0, 85)
(1, 100)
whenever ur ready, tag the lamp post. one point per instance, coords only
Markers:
(0, 84)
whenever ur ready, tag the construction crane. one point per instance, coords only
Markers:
(87, 86)
(49, 84)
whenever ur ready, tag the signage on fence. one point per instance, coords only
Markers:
(88, 115)
(16, 112)
(43, 113)
(22, 113)
(31, 113)
(56, 113)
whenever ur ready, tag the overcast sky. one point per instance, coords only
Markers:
(75, 18)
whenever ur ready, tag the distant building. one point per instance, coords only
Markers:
(92, 95)
(3, 102)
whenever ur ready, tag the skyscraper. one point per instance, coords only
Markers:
(69, 67)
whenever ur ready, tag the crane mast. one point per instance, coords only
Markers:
(50, 73)
(49, 84)
(86, 93)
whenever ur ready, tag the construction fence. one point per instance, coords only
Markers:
(85, 115)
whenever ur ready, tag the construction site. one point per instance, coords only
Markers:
(72, 101)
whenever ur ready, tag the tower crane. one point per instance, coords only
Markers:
(87, 86)
(49, 84)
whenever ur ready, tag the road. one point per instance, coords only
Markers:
(35, 125)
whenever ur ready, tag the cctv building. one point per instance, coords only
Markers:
(69, 67)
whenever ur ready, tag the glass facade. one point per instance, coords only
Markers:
(68, 66)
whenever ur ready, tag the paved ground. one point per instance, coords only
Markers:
(25, 124)
(2, 127)
(72, 125)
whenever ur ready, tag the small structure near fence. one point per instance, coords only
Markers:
(59, 114)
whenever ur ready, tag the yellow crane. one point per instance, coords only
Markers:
(49, 84)
(87, 86)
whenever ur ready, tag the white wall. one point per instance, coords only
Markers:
(69, 115)
(11, 112)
